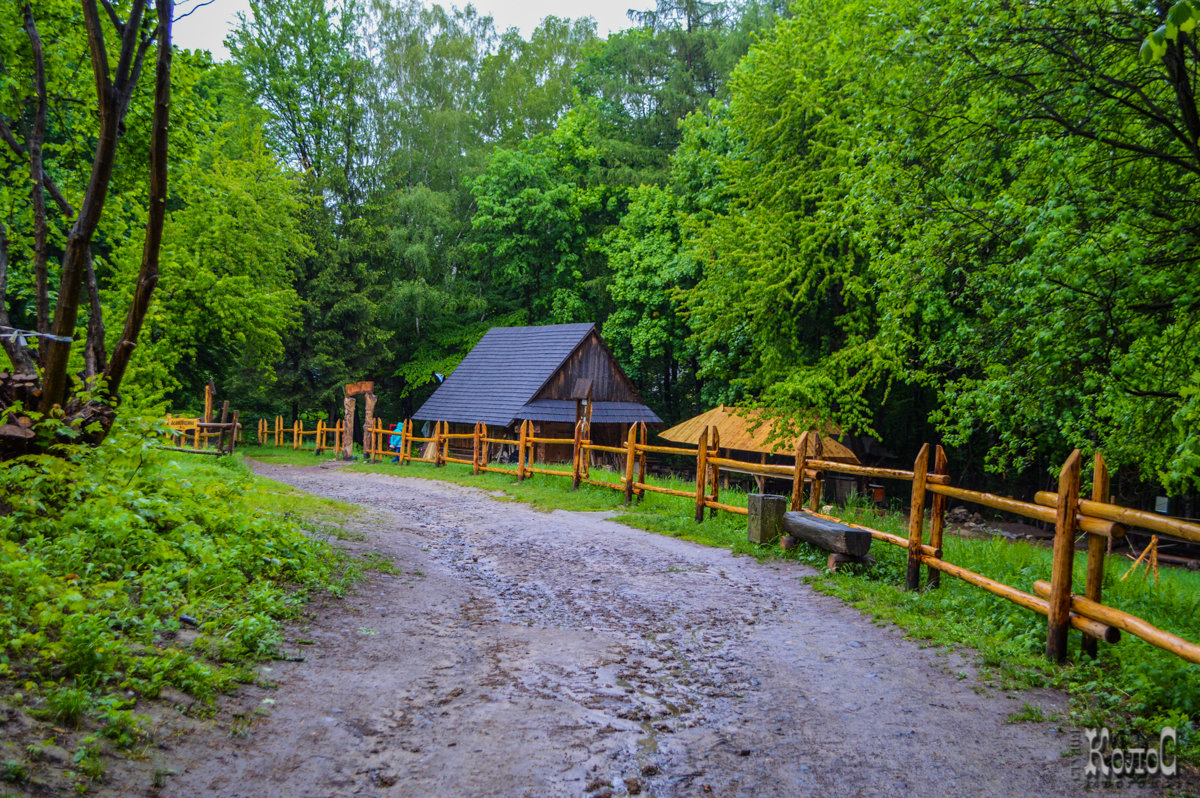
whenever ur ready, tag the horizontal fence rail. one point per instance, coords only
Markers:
(1097, 519)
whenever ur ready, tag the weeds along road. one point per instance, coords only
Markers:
(522, 653)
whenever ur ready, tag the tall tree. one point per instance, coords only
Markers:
(116, 65)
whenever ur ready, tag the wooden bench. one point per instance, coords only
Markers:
(768, 519)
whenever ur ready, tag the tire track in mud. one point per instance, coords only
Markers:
(528, 653)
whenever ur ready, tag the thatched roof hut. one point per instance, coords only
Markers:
(734, 425)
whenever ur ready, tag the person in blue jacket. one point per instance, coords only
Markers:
(397, 440)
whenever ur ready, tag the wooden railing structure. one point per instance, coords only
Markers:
(1071, 515)
(199, 434)
(279, 434)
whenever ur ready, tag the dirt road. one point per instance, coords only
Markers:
(523, 653)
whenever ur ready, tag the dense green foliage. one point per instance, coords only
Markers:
(124, 572)
(974, 222)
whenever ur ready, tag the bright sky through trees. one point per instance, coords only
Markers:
(207, 28)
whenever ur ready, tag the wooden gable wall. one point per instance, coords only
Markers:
(591, 360)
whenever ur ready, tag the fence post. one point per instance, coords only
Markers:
(1097, 548)
(818, 483)
(916, 519)
(641, 494)
(233, 431)
(937, 516)
(475, 449)
(405, 434)
(339, 436)
(575, 454)
(484, 447)
(278, 431)
(1058, 619)
(715, 445)
(630, 457)
(701, 472)
(798, 476)
(521, 452)
(585, 466)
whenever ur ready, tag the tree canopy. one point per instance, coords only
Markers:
(974, 221)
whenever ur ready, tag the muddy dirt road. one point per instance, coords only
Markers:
(523, 653)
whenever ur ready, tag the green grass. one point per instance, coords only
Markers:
(125, 570)
(286, 455)
(1133, 688)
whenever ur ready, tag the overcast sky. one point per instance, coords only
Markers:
(207, 27)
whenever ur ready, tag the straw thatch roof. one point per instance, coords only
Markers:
(733, 425)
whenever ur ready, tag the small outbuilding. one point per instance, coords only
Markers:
(744, 429)
(743, 432)
(549, 375)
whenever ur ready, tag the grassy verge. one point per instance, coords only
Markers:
(127, 573)
(1134, 688)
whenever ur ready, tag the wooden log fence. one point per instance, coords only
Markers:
(277, 433)
(199, 434)
(1097, 518)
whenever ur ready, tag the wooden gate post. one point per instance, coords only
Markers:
(346, 441)
(585, 439)
(916, 519)
(278, 431)
(701, 472)
(630, 458)
(715, 447)
(798, 476)
(222, 432)
(485, 451)
(475, 449)
(1058, 619)
(521, 452)
(818, 482)
(233, 430)
(641, 493)
(576, 452)
(209, 391)
(937, 516)
(1097, 548)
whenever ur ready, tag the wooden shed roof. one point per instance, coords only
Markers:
(733, 425)
(499, 379)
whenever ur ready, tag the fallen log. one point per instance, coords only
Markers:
(828, 535)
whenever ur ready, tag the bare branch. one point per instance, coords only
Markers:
(129, 42)
(95, 361)
(113, 18)
(98, 52)
(13, 347)
(110, 112)
(37, 135)
(194, 10)
(148, 274)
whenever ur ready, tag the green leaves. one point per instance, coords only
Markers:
(1181, 18)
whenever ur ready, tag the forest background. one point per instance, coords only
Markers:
(974, 222)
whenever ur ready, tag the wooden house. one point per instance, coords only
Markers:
(545, 374)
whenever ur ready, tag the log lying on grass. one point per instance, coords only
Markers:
(767, 519)
(828, 535)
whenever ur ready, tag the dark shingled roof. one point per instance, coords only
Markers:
(497, 380)
(602, 412)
